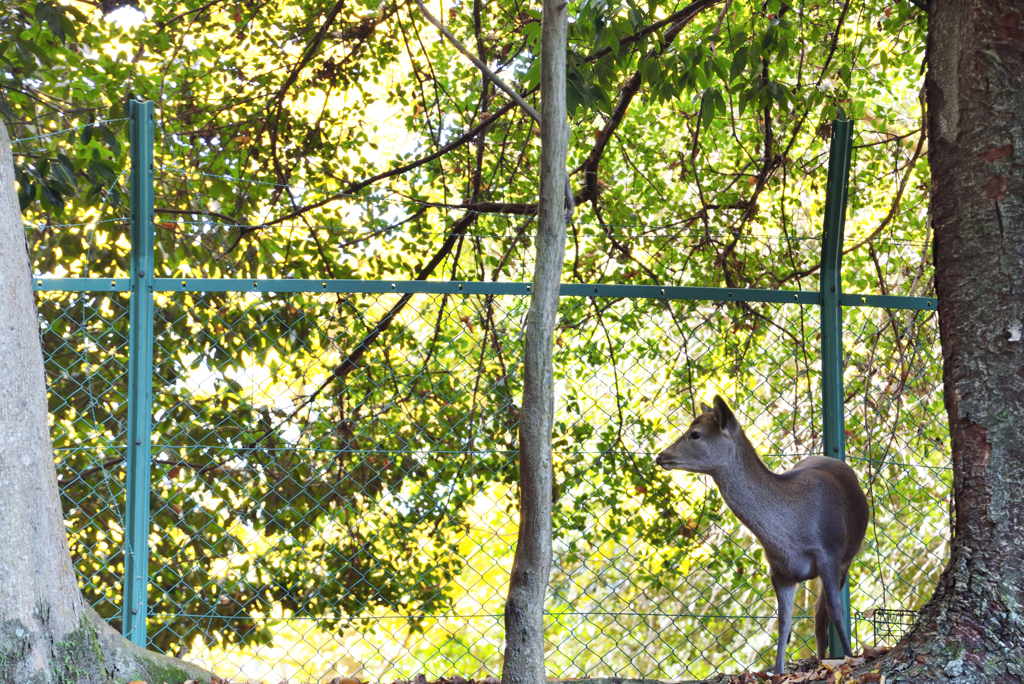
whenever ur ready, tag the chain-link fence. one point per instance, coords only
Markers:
(898, 442)
(85, 342)
(333, 480)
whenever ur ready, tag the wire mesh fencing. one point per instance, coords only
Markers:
(333, 478)
(358, 493)
(899, 443)
(340, 484)
(84, 336)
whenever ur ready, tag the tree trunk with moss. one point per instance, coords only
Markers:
(47, 632)
(972, 630)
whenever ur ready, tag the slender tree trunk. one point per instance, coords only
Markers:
(972, 630)
(524, 611)
(47, 632)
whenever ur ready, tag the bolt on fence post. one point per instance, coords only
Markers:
(832, 404)
(140, 375)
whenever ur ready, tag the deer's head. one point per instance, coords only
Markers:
(708, 445)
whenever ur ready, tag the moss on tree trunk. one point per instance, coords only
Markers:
(92, 653)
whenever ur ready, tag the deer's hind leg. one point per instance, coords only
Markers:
(821, 619)
(832, 580)
(785, 591)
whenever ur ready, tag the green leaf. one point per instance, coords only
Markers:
(53, 17)
(59, 175)
(101, 170)
(783, 97)
(739, 63)
(685, 80)
(68, 26)
(26, 188)
(668, 91)
(26, 196)
(738, 39)
(649, 71)
(111, 140)
(783, 50)
(720, 102)
(718, 64)
(67, 169)
(532, 77)
(53, 196)
(636, 18)
(707, 109)
(756, 64)
(575, 95)
(614, 43)
(700, 77)
(42, 12)
(76, 13)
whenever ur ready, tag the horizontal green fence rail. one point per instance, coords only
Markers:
(453, 287)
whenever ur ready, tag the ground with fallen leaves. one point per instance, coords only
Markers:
(827, 671)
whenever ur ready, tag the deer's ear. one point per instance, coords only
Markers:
(704, 408)
(726, 420)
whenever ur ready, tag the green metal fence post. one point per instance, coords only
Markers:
(833, 418)
(140, 375)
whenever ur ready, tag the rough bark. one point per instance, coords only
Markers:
(531, 568)
(47, 632)
(972, 629)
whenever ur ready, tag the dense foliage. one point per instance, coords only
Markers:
(351, 458)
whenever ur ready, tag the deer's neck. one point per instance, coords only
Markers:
(749, 489)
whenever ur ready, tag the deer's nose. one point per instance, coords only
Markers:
(660, 457)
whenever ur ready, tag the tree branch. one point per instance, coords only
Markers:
(642, 33)
(478, 63)
(311, 50)
(627, 92)
(463, 139)
(570, 200)
(351, 362)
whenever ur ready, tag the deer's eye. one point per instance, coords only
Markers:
(694, 435)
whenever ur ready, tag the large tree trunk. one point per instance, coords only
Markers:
(47, 632)
(972, 630)
(531, 568)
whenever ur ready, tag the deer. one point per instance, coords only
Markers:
(810, 520)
